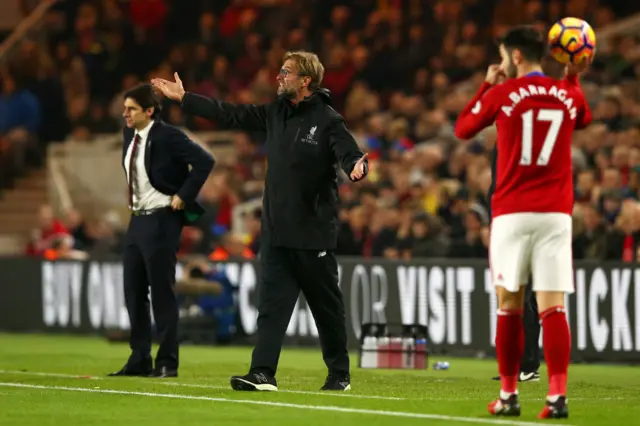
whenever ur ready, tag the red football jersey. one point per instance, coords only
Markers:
(535, 116)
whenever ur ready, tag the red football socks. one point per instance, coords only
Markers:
(556, 339)
(509, 347)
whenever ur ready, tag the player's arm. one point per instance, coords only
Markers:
(584, 117)
(572, 78)
(480, 112)
(572, 75)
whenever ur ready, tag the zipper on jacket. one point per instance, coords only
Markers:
(296, 138)
(290, 146)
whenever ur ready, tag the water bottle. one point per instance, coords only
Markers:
(421, 353)
(442, 365)
(369, 353)
(383, 352)
(395, 349)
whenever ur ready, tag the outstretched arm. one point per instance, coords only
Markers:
(228, 115)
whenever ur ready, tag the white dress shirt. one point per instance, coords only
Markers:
(147, 197)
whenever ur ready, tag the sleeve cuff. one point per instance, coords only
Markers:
(184, 98)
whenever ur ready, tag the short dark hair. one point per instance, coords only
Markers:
(528, 40)
(145, 96)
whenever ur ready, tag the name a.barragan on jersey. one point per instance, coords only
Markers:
(522, 93)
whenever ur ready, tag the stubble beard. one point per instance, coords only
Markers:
(287, 92)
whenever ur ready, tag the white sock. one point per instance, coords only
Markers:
(553, 398)
(506, 395)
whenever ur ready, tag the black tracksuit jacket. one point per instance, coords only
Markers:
(305, 145)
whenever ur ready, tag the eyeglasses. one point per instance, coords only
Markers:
(283, 72)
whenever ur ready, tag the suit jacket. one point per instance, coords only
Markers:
(168, 155)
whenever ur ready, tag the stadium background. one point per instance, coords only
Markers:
(399, 71)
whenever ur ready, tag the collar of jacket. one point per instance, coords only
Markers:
(319, 95)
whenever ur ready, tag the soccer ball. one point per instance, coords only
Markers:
(572, 40)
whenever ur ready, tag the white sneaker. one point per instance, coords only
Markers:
(529, 377)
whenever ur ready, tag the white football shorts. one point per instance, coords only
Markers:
(538, 243)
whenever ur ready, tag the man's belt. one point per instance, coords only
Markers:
(149, 211)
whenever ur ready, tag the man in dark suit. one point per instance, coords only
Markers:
(307, 141)
(162, 197)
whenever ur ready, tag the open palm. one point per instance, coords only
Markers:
(358, 169)
(172, 90)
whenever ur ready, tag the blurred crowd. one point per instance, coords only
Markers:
(399, 71)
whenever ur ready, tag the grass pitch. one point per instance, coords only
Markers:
(60, 380)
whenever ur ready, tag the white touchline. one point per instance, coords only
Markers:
(43, 374)
(282, 404)
(193, 385)
(338, 394)
(391, 398)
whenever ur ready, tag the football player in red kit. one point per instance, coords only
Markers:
(531, 228)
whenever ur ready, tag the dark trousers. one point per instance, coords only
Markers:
(285, 272)
(531, 357)
(151, 246)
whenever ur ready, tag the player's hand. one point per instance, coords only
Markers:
(358, 169)
(172, 90)
(575, 69)
(494, 73)
(177, 203)
(485, 236)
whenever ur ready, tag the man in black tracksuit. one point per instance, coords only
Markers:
(531, 357)
(306, 141)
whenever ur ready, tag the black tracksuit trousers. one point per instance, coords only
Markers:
(531, 357)
(286, 272)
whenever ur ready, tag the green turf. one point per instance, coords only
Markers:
(598, 395)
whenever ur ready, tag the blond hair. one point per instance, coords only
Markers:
(308, 65)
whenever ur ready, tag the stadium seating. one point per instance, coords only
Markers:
(399, 72)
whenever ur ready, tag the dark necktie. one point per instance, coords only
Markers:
(132, 169)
